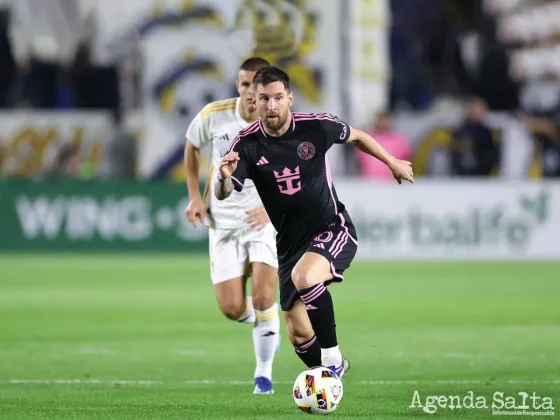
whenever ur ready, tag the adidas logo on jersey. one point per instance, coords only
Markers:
(319, 246)
(262, 161)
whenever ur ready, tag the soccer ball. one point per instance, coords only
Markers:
(318, 391)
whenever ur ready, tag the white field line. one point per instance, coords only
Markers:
(399, 354)
(215, 382)
(461, 355)
(97, 351)
(191, 353)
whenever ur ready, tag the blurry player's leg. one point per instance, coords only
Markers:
(232, 301)
(261, 247)
(309, 276)
(228, 265)
(266, 333)
(302, 336)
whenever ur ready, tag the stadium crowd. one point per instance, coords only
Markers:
(491, 58)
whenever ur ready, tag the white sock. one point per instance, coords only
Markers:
(266, 334)
(331, 357)
(248, 316)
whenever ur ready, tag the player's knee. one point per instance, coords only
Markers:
(262, 300)
(265, 283)
(263, 296)
(303, 277)
(232, 310)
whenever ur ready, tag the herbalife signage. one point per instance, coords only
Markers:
(455, 220)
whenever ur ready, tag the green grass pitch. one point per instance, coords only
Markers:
(140, 337)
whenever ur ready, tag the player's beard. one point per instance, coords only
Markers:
(278, 123)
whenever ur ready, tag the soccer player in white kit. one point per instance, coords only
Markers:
(242, 239)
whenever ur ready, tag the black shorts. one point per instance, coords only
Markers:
(337, 242)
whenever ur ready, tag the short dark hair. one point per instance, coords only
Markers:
(254, 64)
(271, 74)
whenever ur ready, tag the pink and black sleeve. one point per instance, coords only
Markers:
(241, 173)
(336, 131)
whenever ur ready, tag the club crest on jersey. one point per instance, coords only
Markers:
(306, 150)
(288, 182)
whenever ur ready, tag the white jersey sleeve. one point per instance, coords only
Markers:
(198, 132)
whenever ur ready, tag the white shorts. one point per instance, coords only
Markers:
(231, 250)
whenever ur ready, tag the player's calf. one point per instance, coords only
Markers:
(309, 275)
(243, 312)
(266, 336)
(232, 301)
(302, 336)
(266, 332)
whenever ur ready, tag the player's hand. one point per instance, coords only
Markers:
(194, 211)
(228, 164)
(258, 218)
(402, 169)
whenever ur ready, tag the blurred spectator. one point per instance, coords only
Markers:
(391, 141)
(44, 37)
(110, 48)
(119, 156)
(407, 87)
(69, 164)
(541, 97)
(474, 152)
(550, 155)
(443, 47)
(495, 85)
(8, 68)
(66, 164)
(546, 133)
(2, 158)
